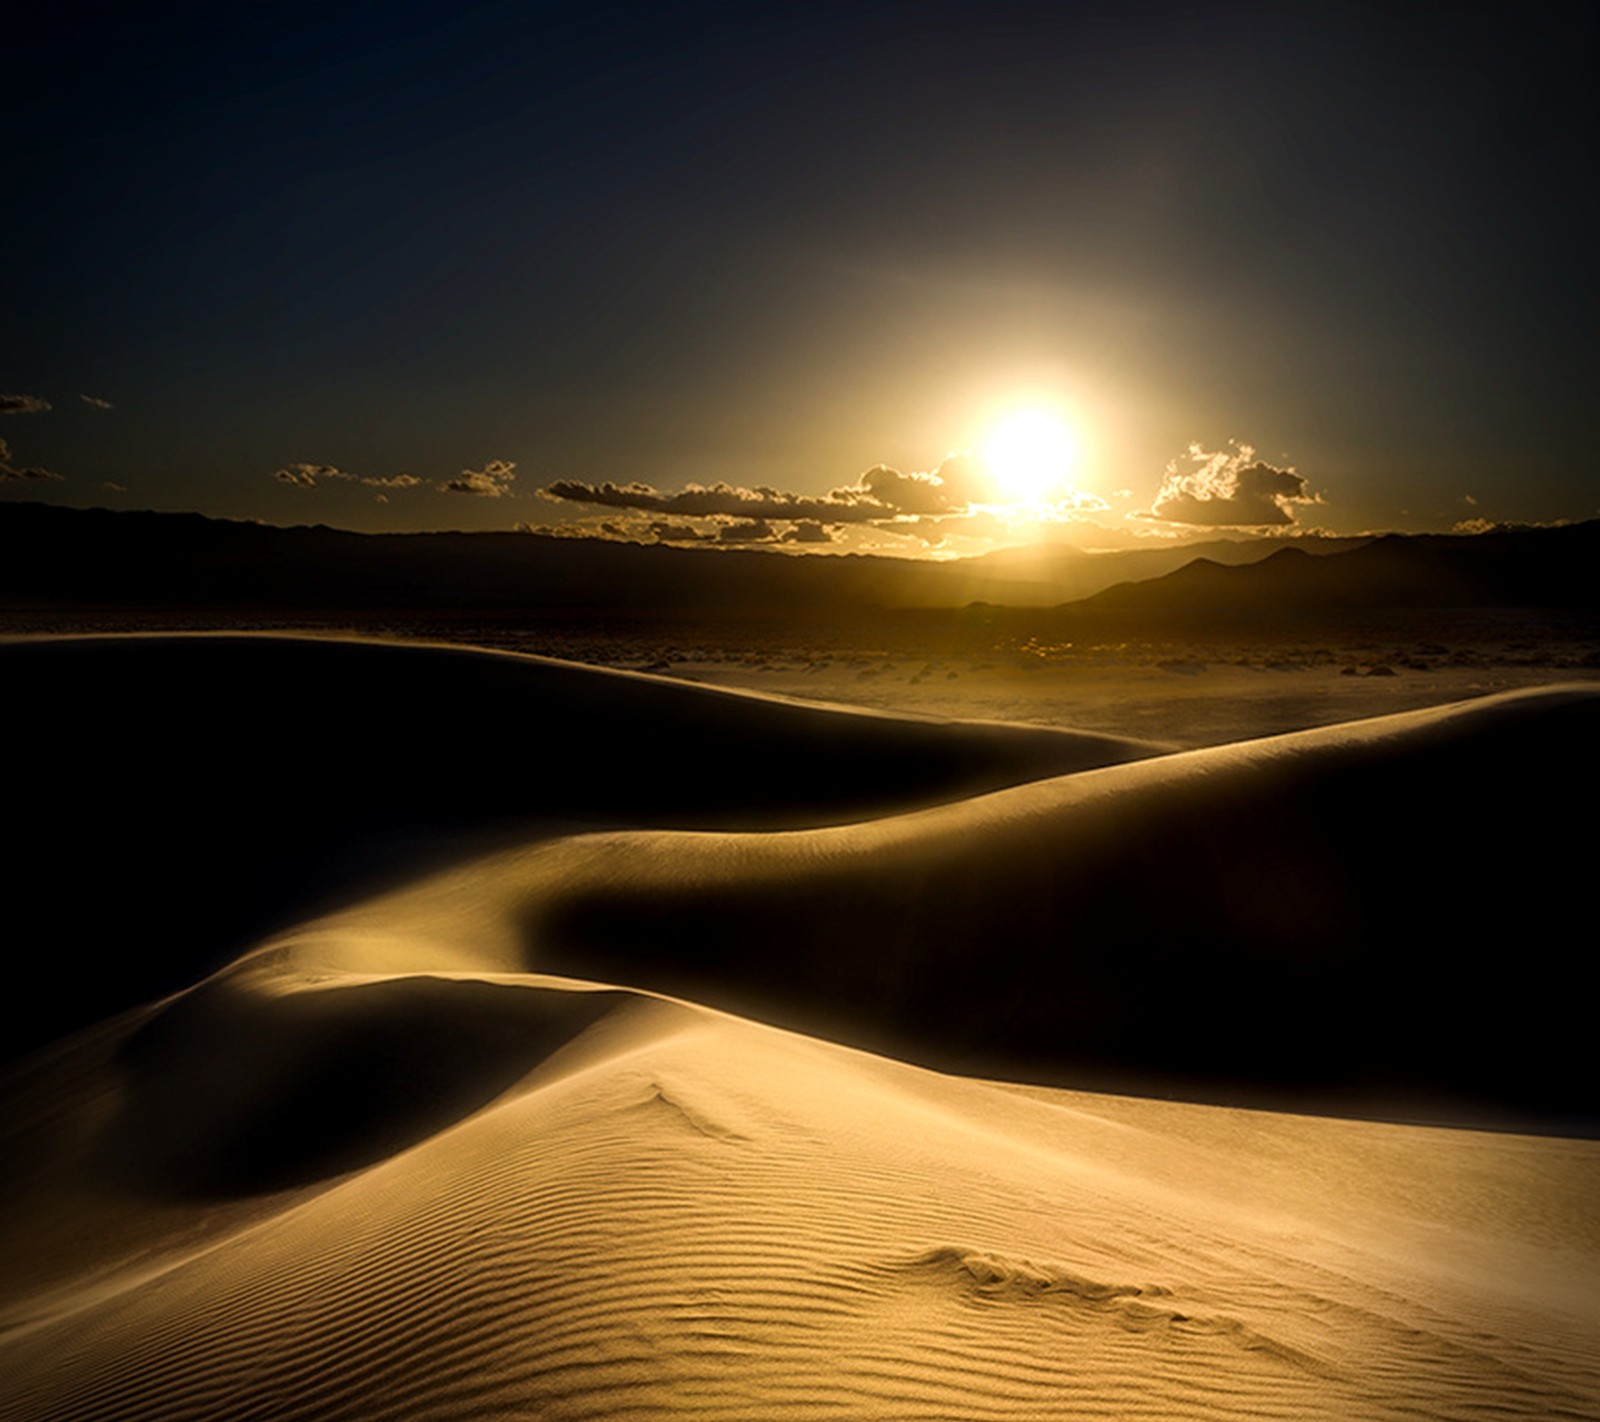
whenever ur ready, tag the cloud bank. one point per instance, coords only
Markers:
(880, 493)
(307, 476)
(1230, 489)
(884, 498)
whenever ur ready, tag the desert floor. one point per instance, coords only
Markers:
(1180, 688)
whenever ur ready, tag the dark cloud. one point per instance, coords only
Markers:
(708, 501)
(22, 405)
(961, 481)
(718, 529)
(880, 493)
(664, 530)
(1230, 490)
(493, 481)
(756, 530)
(889, 489)
(808, 532)
(882, 498)
(96, 402)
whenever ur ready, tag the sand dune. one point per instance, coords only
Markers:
(678, 1213)
(1324, 915)
(273, 776)
(446, 1151)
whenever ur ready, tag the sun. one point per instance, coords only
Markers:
(1032, 455)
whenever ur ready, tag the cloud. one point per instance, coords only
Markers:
(882, 501)
(906, 493)
(114, 487)
(663, 530)
(717, 529)
(805, 531)
(1229, 490)
(305, 476)
(963, 479)
(880, 492)
(22, 405)
(493, 481)
(1492, 525)
(554, 530)
(705, 501)
(97, 402)
(756, 530)
(8, 473)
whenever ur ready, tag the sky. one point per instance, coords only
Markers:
(912, 278)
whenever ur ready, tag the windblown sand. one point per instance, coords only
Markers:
(416, 1158)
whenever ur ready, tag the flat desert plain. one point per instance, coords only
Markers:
(421, 1031)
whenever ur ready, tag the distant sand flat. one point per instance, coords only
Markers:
(386, 1164)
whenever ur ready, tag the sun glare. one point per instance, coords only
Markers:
(1032, 456)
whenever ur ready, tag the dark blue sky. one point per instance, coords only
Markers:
(778, 244)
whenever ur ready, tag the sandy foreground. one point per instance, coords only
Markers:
(577, 1120)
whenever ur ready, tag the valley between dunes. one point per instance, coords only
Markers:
(422, 1032)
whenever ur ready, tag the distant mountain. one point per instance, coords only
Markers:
(98, 556)
(86, 558)
(1510, 568)
(60, 555)
(1052, 573)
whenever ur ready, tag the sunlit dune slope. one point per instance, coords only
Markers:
(1375, 916)
(262, 778)
(307, 1191)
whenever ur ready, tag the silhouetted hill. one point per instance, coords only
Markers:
(54, 557)
(80, 557)
(1052, 573)
(1510, 568)
(94, 555)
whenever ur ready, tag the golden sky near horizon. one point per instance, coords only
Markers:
(601, 269)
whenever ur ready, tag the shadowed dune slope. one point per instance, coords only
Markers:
(262, 778)
(1371, 917)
